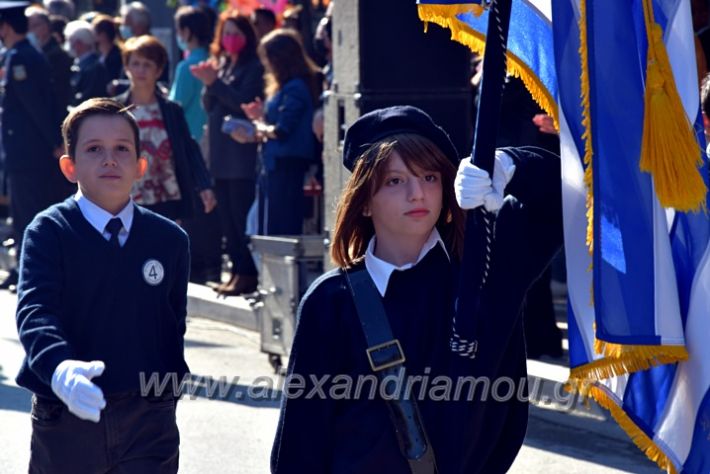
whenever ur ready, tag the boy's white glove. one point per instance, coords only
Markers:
(71, 382)
(473, 186)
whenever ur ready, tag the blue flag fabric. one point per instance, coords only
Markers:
(650, 266)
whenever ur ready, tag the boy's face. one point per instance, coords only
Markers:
(106, 162)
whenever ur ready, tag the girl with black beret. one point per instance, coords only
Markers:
(430, 399)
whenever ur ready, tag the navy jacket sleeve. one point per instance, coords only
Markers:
(292, 108)
(527, 234)
(32, 91)
(537, 186)
(303, 436)
(39, 320)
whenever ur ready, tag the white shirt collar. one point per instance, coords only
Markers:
(99, 217)
(381, 271)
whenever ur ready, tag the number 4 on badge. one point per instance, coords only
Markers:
(153, 272)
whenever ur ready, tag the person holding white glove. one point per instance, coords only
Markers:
(101, 308)
(71, 383)
(474, 188)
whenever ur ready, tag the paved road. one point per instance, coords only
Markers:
(232, 433)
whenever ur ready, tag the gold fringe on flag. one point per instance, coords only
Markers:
(445, 16)
(661, 354)
(622, 359)
(587, 125)
(669, 149)
(640, 439)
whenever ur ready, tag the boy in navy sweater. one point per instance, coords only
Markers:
(102, 302)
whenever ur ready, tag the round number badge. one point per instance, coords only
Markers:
(153, 272)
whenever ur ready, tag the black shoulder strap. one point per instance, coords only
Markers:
(387, 360)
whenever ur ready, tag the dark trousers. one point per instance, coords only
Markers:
(32, 192)
(234, 198)
(283, 201)
(205, 232)
(135, 435)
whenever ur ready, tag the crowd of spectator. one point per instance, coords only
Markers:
(228, 130)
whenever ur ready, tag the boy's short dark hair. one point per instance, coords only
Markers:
(90, 108)
(57, 24)
(196, 21)
(105, 24)
(265, 14)
(705, 95)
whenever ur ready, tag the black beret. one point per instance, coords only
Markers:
(12, 9)
(382, 123)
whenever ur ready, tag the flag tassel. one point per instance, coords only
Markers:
(669, 149)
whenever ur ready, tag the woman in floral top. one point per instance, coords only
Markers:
(176, 170)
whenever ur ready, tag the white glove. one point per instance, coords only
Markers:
(474, 188)
(71, 382)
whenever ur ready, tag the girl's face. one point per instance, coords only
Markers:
(407, 205)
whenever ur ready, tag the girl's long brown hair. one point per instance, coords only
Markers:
(284, 58)
(353, 230)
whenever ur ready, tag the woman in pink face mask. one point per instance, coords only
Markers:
(232, 76)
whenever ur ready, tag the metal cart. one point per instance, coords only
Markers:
(287, 267)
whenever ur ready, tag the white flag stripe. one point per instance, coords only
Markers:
(692, 381)
(674, 430)
(666, 303)
(680, 44)
(577, 258)
(542, 6)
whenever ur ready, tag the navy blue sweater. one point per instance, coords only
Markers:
(80, 298)
(342, 433)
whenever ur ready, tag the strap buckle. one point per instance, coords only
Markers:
(387, 354)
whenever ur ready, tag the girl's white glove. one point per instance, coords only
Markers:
(473, 186)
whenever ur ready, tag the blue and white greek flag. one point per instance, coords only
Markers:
(639, 274)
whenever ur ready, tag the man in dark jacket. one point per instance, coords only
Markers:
(30, 132)
(59, 60)
(90, 76)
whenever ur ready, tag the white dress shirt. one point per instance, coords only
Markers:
(98, 217)
(381, 271)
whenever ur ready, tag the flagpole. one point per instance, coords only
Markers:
(479, 223)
